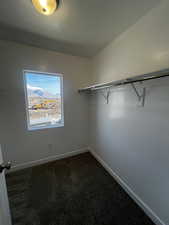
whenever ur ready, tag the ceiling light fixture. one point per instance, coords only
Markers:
(46, 7)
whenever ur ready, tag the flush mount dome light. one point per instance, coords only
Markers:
(46, 7)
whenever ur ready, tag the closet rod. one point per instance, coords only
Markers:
(145, 77)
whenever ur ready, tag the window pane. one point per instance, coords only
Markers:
(44, 100)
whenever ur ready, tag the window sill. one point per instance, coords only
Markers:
(45, 127)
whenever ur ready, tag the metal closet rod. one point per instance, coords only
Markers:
(145, 77)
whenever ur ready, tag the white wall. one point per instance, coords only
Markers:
(134, 141)
(143, 48)
(23, 146)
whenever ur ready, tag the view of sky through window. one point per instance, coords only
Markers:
(48, 83)
(43, 99)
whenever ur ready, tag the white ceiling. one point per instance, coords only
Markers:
(79, 27)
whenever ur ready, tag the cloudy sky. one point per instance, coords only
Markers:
(48, 83)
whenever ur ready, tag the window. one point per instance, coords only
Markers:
(44, 100)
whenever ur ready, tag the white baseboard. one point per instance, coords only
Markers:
(131, 193)
(125, 186)
(47, 159)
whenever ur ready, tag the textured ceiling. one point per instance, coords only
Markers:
(79, 27)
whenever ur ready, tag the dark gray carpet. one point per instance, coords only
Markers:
(73, 191)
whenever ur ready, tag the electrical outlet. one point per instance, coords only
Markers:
(50, 147)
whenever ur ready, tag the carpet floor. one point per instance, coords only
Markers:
(72, 191)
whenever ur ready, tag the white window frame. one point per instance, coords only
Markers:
(39, 127)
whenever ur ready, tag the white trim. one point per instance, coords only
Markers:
(47, 127)
(125, 186)
(47, 159)
(58, 124)
(131, 193)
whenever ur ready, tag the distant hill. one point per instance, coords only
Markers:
(40, 92)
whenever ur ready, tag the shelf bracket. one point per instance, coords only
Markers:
(106, 96)
(141, 97)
